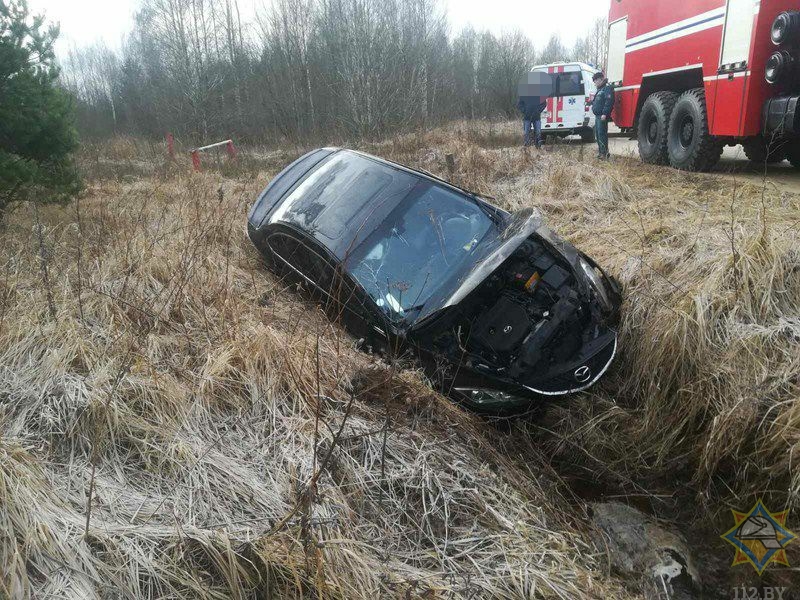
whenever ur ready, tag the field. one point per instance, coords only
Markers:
(177, 422)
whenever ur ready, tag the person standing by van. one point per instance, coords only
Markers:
(531, 108)
(533, 88)
(602, 105)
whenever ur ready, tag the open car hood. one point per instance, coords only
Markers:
(490, 255)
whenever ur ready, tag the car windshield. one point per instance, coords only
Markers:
(428, 238)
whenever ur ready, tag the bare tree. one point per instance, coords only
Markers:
(465, 73)
(554, 51)
(593, 47)
(302, 69)
(92, 74)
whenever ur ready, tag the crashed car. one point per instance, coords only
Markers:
(498, 309)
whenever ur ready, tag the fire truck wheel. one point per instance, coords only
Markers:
(653, 124)
(793, 153)
(760, 152)
(690, 145)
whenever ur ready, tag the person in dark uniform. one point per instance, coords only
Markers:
(602, 105)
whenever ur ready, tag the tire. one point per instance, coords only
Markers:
(759, 151)
(653, 125)
(689, 144)
(793, 153)
(587, 137)
(785, 28)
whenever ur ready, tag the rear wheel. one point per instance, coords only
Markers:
(587, 136)
(793, 153)
(761, 151)
(653, 124)
(689, 144)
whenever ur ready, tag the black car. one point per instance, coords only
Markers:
(496, 307)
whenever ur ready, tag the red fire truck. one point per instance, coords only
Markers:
(692, 76)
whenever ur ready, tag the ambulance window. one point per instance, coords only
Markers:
(570, 84)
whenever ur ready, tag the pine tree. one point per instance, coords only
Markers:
(37, 134)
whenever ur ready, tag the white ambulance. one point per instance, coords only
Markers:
(569, 108)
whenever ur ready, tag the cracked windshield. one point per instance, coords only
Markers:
(431, 235)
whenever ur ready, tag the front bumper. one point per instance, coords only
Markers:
(580, 376)
(486, 396)
(560, 129)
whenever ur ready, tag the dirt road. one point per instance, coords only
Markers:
(733, 164)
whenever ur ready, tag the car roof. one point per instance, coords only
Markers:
(341, 220)
(583, 66)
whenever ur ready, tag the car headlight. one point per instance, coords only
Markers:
(487, 397)
(596, 281)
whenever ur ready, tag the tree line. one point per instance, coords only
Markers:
(302, 68)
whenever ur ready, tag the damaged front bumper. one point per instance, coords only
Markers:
(583, 373)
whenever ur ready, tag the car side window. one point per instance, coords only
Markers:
(323, 279)
(303, 260)
(570, 84)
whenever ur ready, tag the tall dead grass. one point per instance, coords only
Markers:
(183, 425)
(187, 426)
(705, 395)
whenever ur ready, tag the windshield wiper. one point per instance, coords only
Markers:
(415, 307)
(493, 214)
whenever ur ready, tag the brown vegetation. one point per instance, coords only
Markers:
(707, 384)
(176, 422)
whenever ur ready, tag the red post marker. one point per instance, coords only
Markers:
(231, 149)
(170, 145)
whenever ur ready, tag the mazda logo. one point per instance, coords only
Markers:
(583, 374)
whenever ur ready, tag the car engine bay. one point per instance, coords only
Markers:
(530, 316)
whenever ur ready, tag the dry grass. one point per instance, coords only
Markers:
(242, 447)
(228, 440)
(708, 385)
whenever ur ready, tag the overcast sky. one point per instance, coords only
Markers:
(88, 21)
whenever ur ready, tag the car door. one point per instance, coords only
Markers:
(571, 97)
(591, 90)
(549, 117)
(304, 261)
(566, 108)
